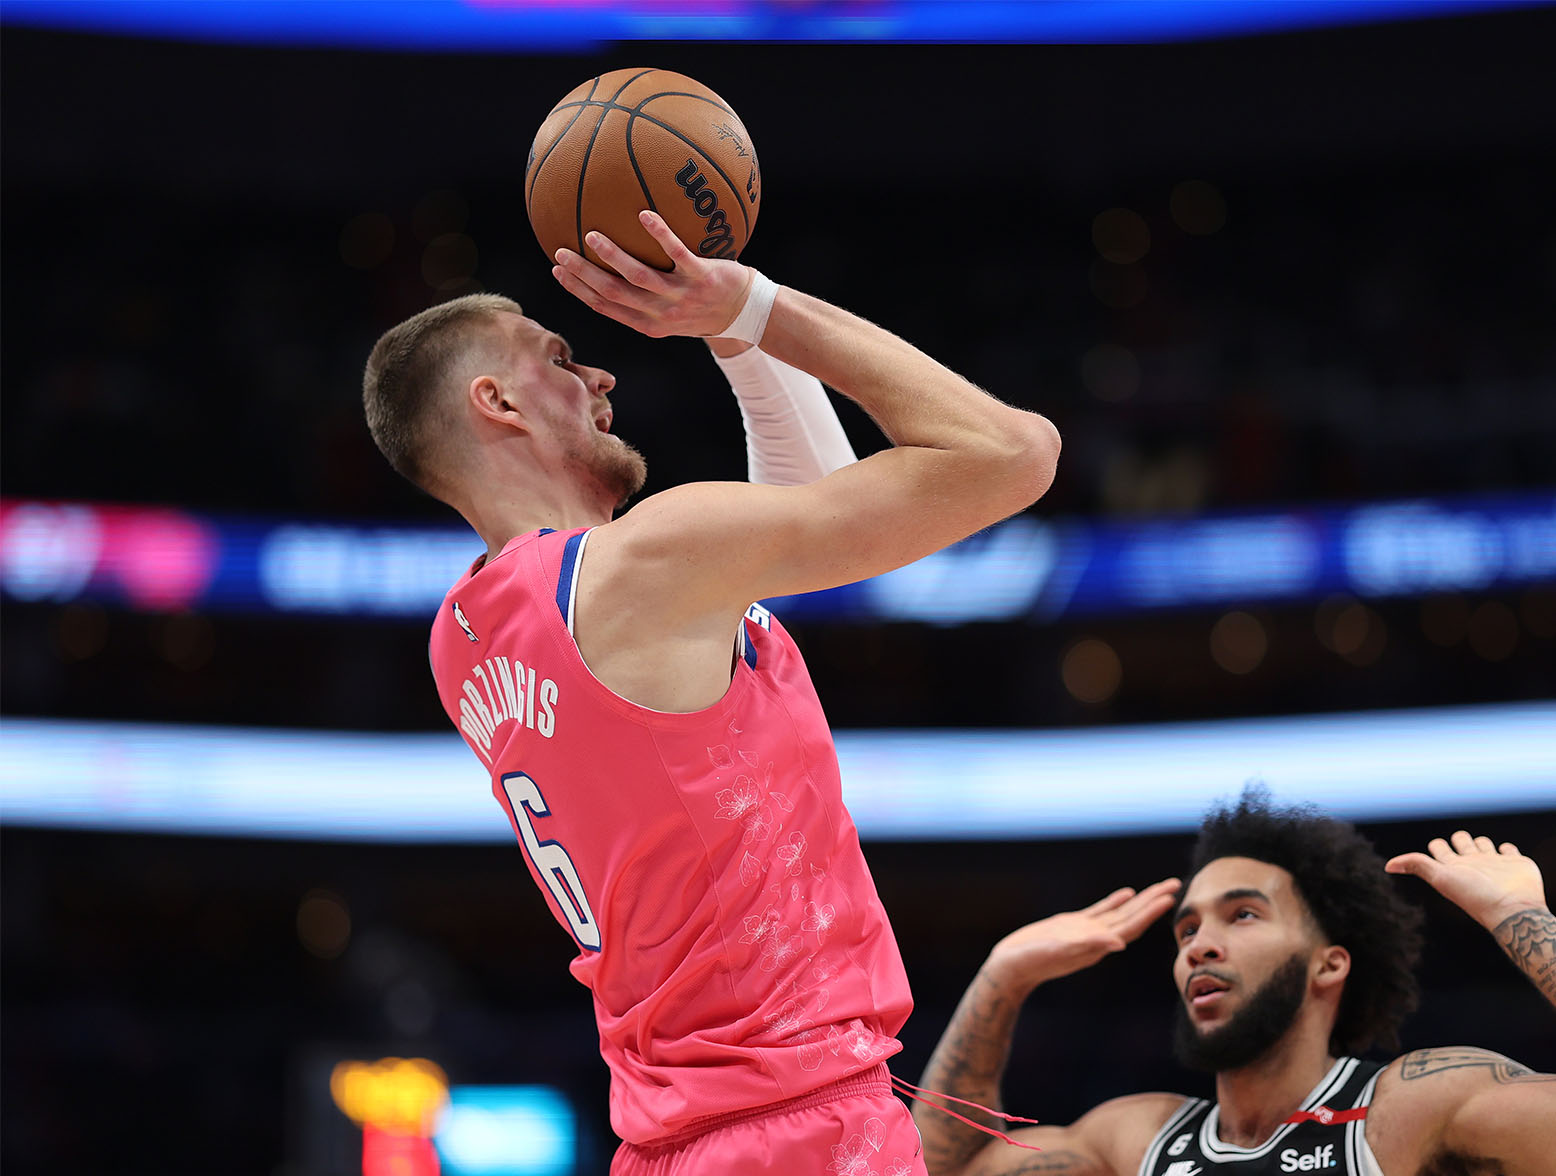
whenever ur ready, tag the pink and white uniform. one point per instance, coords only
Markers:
(727, 925)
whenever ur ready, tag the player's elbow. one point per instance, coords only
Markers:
(1029, 459)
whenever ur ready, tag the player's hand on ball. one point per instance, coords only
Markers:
(1061, 944)
(1487, 882)
(700, 297)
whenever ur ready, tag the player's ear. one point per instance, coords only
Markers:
(489, 398)
(1332, 966)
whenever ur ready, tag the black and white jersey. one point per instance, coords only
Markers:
(1327, 1137)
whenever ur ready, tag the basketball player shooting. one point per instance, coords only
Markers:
(1293, 952)
(652, 734)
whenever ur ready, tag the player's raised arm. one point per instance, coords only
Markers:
(1500, 889)
(1471, 1102)
(969, 1061)
(962, 460)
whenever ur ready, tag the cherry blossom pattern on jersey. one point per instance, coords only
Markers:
(858, 1154)
(760, 811)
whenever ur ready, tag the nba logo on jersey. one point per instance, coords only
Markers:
(464, 622)
(1178, 1145)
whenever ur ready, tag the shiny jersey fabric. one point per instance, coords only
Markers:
(704, 864)
(1330, 1141)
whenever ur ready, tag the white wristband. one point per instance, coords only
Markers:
(751, 322)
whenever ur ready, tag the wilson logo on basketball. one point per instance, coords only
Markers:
(720, 238)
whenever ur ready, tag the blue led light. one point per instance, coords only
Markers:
(546, 25)
(507, 1131)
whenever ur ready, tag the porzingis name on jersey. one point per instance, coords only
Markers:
(500, 690)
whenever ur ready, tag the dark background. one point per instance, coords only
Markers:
(201, 244)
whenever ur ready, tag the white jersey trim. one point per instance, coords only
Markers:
(572, 588)
(1190, 1108)
(1357, 1149)
(1221, 1153)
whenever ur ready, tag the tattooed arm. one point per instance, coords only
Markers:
(970, 1059)
(1464, 1109)
(1460, 1110)
(1501, 890)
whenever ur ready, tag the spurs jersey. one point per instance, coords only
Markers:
(703, 863)
(1327, 1137)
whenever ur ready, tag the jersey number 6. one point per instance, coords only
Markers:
(551, 861)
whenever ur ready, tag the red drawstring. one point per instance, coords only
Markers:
(918, 1092)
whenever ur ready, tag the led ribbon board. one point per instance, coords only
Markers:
(900, 785)
(166, 559)
(488, 25)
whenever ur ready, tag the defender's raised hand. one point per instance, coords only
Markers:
(700, 297)
(1065, 943)
(1490, 884)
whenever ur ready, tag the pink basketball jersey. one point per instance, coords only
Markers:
(727, 925)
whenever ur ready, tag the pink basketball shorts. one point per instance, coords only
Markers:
(853, 1127)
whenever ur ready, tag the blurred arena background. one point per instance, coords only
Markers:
(1283, 274)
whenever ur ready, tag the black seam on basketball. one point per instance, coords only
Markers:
(641, 73)
(583, 169)
(632, 158)
(529, 193)
(684, 94)
(733, 188)
(609, 104)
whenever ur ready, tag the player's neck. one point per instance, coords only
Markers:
(500, 513)
(1259, 1097)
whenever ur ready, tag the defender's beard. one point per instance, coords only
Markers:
(1249, 1032)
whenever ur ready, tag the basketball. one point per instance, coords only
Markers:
(642, 138)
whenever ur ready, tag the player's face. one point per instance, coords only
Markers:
(1239, 927)
(570, 412)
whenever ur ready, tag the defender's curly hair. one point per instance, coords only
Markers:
(1340, 877)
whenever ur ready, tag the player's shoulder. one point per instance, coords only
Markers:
(1458, 1100)
(689, 507)
(1121, 1129)
(1427, 1086)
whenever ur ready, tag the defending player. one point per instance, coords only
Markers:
(652, 734)
(1293, 952)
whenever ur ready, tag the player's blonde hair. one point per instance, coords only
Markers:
(406, 371)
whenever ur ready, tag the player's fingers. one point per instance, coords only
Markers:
(668, 241)
(593, 299)
(1112, 901)
(1413, 863)
(1137, 918)
(1166, 888)
(1510, 849)
(602, 281)
(1439, 849)
(645, 277)
(1485, 845)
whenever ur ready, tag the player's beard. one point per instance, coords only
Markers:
(1249, 1032)
(616, 466)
